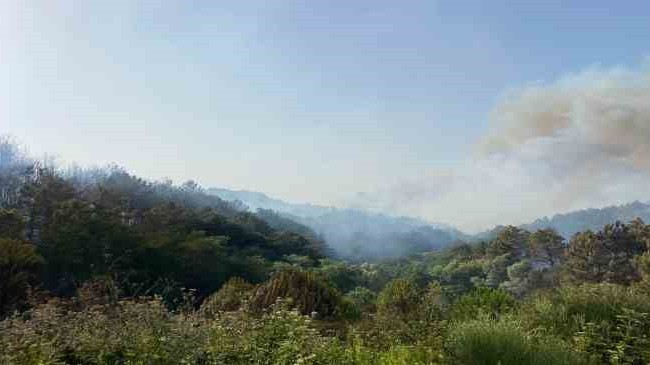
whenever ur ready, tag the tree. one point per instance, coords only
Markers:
(11, 224)
(200, 262)
(305, 290)
(41, 197)
(511, 241)
(459, 277)
(609, 255)
(19, 263)
(343, 276)
(83, 240)
(16, 170)
(519, 278)
(622, 247)
(641, 232)
(400, 298)
(587, 259)
(497, 270)
(546, 247)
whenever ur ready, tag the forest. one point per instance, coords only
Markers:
(98, 266)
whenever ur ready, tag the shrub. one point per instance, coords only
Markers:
(486, 341)
(280, 336)
(607, 320)
(232, 295)
(483, 300)
(135, 332)
(363, 298)
(101, 290)
(623, 342)
(400, 298)
(306, 292)
(564, 310)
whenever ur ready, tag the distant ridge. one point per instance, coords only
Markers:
(354, 234)
(569, 224)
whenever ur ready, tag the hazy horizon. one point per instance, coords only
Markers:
(459, 113)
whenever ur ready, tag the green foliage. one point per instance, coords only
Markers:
(307, 293)
(484, 301)
(497, 270)
(12, 224)
(134, 332)
(459, 277)
(512, 241)
(565, 310)
(546, 246)
(343, 276)
(83, 240)
(149, 237)
(520, 279)
(608, 255)
(363, 298)
(230, 297)
(144, 332)
(486, 341)
(19, 263)
(623, 341)
(400, 298)
(281, 336)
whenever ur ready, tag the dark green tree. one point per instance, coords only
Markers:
(19, 265)
(609, 255)
(12, 224)
(547, 247)
(511, 241)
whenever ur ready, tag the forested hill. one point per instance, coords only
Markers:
(591, 219)
(353, 234)
(150, 238)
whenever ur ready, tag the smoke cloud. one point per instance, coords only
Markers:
(582, 141)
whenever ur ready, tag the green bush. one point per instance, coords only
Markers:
(566, 309)
(280, 336)
(486, 341)
(132, 332)
(608, 321)
(624, 341)
(483, 300)
(363, 298)
(400, 298)
(304, 290)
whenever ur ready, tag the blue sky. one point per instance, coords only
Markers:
(305, 100)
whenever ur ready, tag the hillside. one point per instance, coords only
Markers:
(354, 234)
(146, 237)
(571, 223)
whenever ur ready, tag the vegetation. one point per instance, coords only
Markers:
(101, 267)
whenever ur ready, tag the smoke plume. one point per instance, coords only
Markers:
(582, 141)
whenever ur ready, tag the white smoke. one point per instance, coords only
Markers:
(583, 141)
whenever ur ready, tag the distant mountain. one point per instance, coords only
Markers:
(352, 234)
(594, 219)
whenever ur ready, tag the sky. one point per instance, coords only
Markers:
(471, 113)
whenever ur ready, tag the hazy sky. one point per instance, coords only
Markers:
(318, 100)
